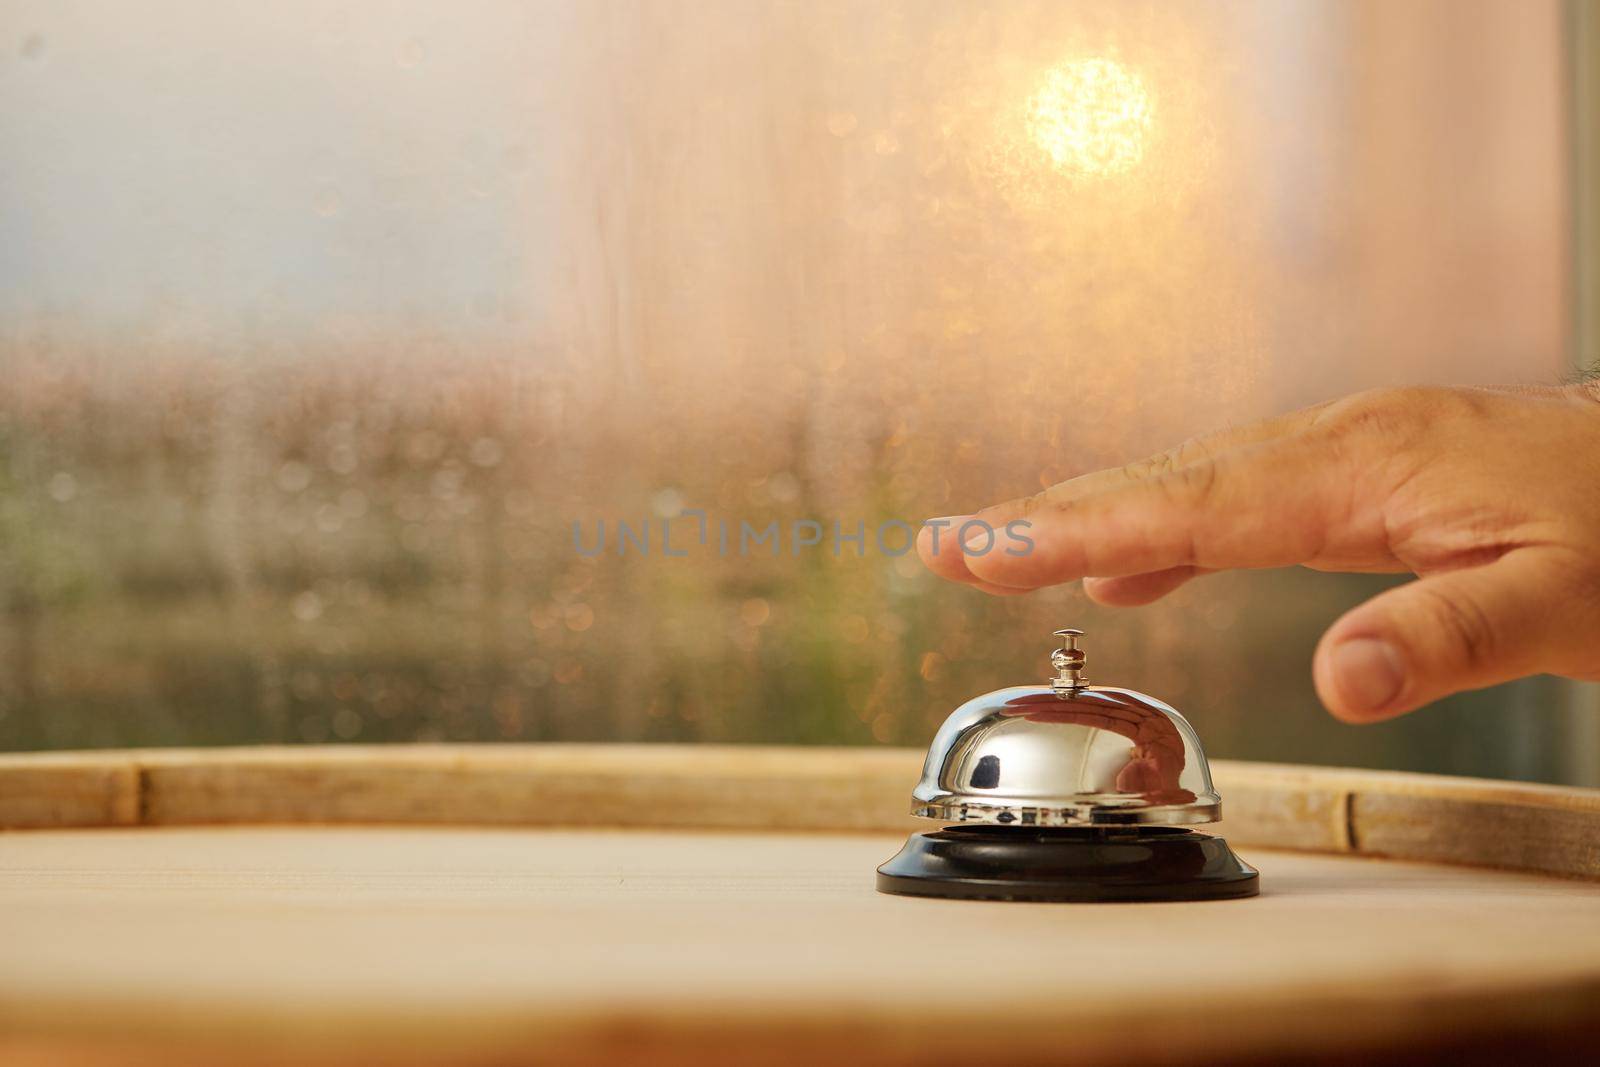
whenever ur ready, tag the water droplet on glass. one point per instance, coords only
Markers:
(667, 503)
(783, 487)
(842, 124)
(305, 685)
(346, 724)
(307, 606)
(293, 476)
(755, 612)
(446, 483)
(853, 628)
(327, 202)
(63, 487)
(411, 54)
(579, 617)
(342, 459)
(485, 452)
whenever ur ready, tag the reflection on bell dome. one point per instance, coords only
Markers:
(1066, 754)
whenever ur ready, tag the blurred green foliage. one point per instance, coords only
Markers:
(206, 553)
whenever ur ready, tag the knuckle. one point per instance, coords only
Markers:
(1585, 584)
(1581, 583)
(1021, 507)
(1465, 629)
(1193, 451)
(1190, 452)
(1458, 404)
(1200, 481)
(1192, 487)
(1392, 418)
(1379, 408)
(1141, 470)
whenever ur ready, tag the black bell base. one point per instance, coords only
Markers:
(1086, 865)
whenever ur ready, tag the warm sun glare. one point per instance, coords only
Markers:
(1090, 117)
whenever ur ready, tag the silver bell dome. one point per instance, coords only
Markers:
(1066, 754)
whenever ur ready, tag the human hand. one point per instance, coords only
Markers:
(1490, 496)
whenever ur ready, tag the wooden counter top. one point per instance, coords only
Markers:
(622, 904)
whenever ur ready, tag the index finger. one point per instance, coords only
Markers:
(1280, 502)
(941, 552)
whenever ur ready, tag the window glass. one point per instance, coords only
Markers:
(326, 328)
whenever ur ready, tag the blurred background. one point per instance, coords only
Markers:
(322, 324)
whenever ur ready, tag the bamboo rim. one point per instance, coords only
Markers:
(1545, 829)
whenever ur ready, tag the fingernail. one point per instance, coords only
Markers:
(980, 540)
(1368, 672)
(944, 530)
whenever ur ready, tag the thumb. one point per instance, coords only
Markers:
(1460, 630)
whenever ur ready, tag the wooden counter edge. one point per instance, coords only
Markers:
(1547, 829)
